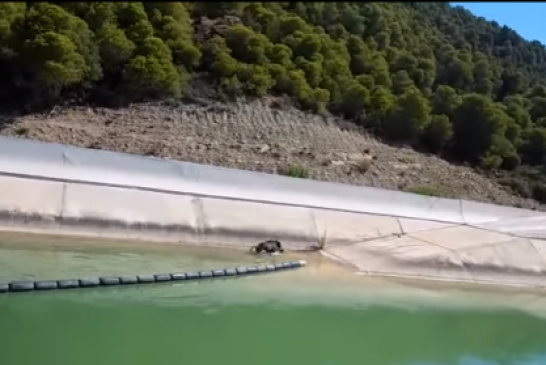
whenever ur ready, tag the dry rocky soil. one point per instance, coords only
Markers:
(259, 136)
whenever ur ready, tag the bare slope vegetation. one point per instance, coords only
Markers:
(261, 137)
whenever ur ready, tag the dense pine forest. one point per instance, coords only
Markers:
(423, 74)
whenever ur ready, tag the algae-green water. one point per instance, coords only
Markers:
(283, 318)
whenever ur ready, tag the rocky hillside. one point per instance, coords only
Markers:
(259, 136)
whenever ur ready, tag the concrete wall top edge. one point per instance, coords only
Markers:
(67, 163)
(529, 227)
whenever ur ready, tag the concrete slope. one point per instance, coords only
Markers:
(456, 253)
(59, 189)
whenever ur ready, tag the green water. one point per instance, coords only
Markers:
(287, 318)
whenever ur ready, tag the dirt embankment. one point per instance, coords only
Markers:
(257, 136)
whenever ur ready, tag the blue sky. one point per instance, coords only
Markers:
(525, 18)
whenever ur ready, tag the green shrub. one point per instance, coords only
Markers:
(425, 190)
(297, 171)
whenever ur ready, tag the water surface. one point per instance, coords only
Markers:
(300, 317)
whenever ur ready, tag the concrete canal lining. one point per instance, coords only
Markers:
(60, 189)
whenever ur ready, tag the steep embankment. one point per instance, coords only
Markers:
(256, 136)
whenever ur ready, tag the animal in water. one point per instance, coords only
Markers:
(270, 247)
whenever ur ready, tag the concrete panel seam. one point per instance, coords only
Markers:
(365, 240)
(431, 243)
(455, 225)
(400, 225)
(433, 203)
(315, 228)
(461, 211)
(200, 218)
(485, 229)
(65, 161)
(327, 253)
(542, 258)
(529, 237)
(508, 233)
(65, 158)
(63, 201)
